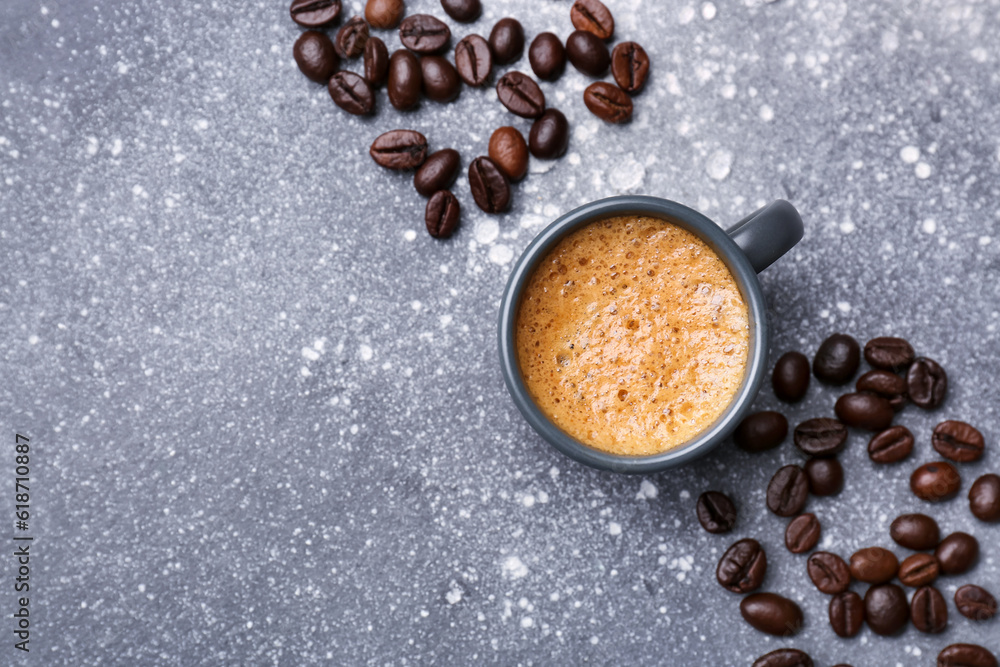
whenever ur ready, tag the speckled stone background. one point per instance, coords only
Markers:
(267, 418)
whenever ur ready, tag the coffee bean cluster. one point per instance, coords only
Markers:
(419, 70)
(897, 377)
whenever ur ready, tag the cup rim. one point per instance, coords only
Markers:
(746, 279)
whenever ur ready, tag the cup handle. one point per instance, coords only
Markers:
(768, 233)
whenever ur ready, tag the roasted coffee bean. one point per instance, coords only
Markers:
(761, 431)
(966, 655)
(507, 41)
(957, 553)
(784, 657)
(352, 93)
(510, 152)
(826, 476)
(828, 572)
(405, 80)
(315, 56)
(489, 186)
(463, 11)
(791, 377)
(440, 80)
(919, 570)
(864, 410)
(315, 13)
(547, 56)
(837, 359)
(885, 609)
(384, 14)
(630, 67)
(608, 102)
(424, 34)
(926, 383)
(802, 533)
(521, 95)
(874, 565)
(742, 568)
(549, 137)
(438, 172)
(888, 385)
(399, 149)
(716, 512)
(376, 61)
(820, 436)
(958, 441)
(588, 53)
(351, 38)
(788, 491)
(975, 603)
(772, 614)
(594, 17)
(891, 445)
(935, 481)
(915, 531)
(928, 610)
(847, 613)
(892, 354)
(473, 60)
(442, 214)
(984, 498)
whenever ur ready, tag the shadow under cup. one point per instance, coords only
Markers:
(748, 247)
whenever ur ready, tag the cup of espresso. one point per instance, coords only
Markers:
(633, 331)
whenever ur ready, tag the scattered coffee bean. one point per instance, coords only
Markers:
(424, 34)
(975, 603)
(315, 13)
(473, 60)
(935, 481)
(351, 38)
(547, 56)
(630, 67)
(928, 610)
(510, 152)
(864, 410)
(716, 512)
(588, 53)
(826, 476)
(821, 436)
(958, 441)
(891, 445)
(915, 531)
(761, 431)
(549, 136)
(507, 41)
(315, 56)
(352, 93)
(376, 61)
(919, 570)
(440, 80)
(837, 359)
(405, 80)
(384, 14)
(791, 377)
(399, 149)
(438, 172)
(742, 568)
(594, 17)
(802, 533)
(442, 214)
(957, 553)
(847, 613)
(888, 385)
(891, 354)
(966, 655)
(772, 614)
(608, 102)
(984, 498)
(788, 491)
(828, 572)
(463, 11)
(784, 657)
(521, 95)
(926, 383)
(874, 565)
(885, 609)
(489, 186)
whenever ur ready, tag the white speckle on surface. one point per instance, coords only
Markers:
(985, 240)
(416, 305)
(846, 227)
(249, 625)
(487, 230)
(929, 226)
(410, 235)
(310, 354)
(766, 113)
(979, 54)
(529, 221)
(728, 91)
(922, 170)
(684, 494)
(627, 174)
(501, 254)
(615, 528)
(514, 568)
(32, 339)
(528, 500)
(647, 490)
(594, 640)
(366, 352)
(454, 594)
(909, 154)
(843, 307)
(116, 147)
(92, 145)
(708, 11)
(890, 41)
(719, 164)
(685, 15)
(201, 125)
(573, 158)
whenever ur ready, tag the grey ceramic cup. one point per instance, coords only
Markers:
(748, 247)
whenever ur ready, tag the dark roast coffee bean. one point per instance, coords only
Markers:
(384, 14)
(888, 385)
(549, 137)
(892, 354)
(521, 95)
(440, 80)
(594, 17)
(928, 610)
(958, 441)
(442, 214)
(919, 570)
(820, 436)
(405, 80)
(984, 498)
(828, 572)
(489, 186)
(510, 152)
(926, 383)
(837, 359)
(874, 565)
(802, 533)
(761, 431)
(630, 67)
(885, 609)
(847, 613)
(891, 445)
(826, 476)
(957, 553)
(424, 34)
(507, 41)
(915, 531)
(788, 491)
(351, 38)
(966, 655)
(742, 568)
(473, 60)
(547, 56)
(608, 102)
(315, 13)
(399, 149)
(376, 61)
(438, 172)
(975, 603)
(772, 614)
(716, 512)
(935, 481)
(784, 657)
(863, 410)
(352, 93)
(315, 56)
(588, 53)
(463, 11)
(791, 377)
